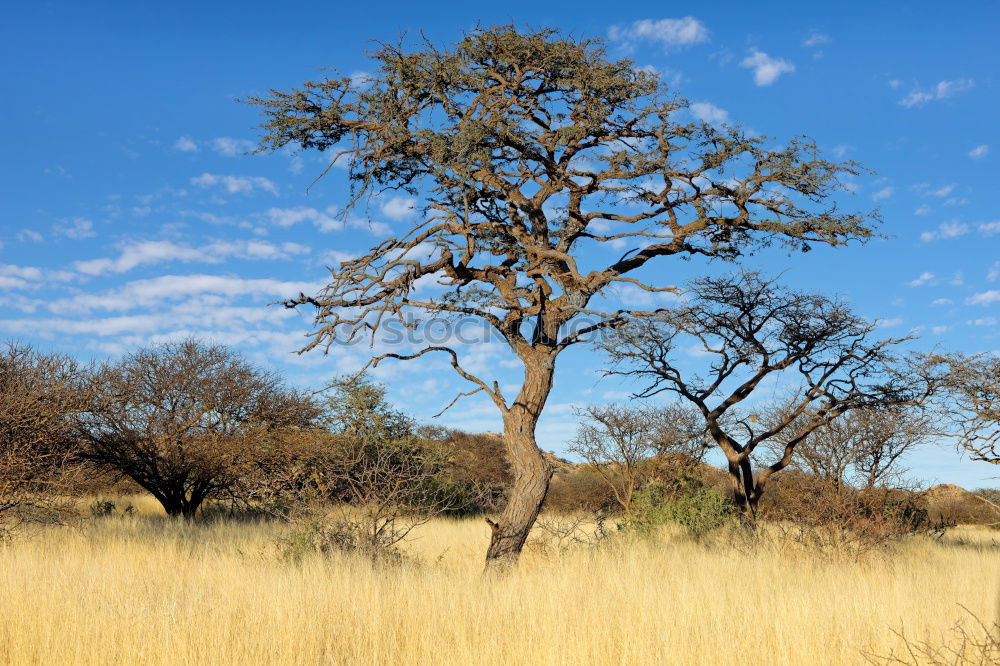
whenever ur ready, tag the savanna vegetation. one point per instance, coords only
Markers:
(180, 505)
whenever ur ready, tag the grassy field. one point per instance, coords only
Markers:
(139, 589)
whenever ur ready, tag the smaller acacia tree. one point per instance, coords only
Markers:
(968, 406)
(186, 420)
(754, 330)
(38, 395)
(384, 480)
(864, 448)
(623, 443)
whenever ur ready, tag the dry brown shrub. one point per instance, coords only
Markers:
(973, 642)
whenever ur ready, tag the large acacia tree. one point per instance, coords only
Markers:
(549, 174)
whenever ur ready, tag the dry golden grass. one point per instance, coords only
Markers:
(143, 590)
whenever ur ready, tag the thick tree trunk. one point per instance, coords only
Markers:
(530, 469)
(178, 505)
(745, 495)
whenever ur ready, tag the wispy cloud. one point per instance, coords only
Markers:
(944, 89)
(989, 228)
(230, 147)
(939, 192)
(29, 235)
(815, 39)
(979, 152)
(672, 34)
(76, 228)
(766, 69)
(921, 280)
(154, 291)
(143, 253)
(709, 113)
(235, 184)
(985, 298)
(186, 144)
(398, 208)
(326, 220)
(945, 230)
(884, 193)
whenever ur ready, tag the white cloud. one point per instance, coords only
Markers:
(672, 34)
(76, 228)
(322, 220)
(942, 301)
(945, 230)
(985, 321)
(360, 78)
(884, 193)
(915, 98)
(398, 208)
(941, 192)
(989, 228)
(155, 291)
(235, 184)
(230, 147)
(923, 210)
(994, 272)
(895, 83)
(942, 90)
(985, 298)
(766, 69)
(839, 151)
(335, 257)
(979, 152)
(186, 144)
(709, 113)
(816, 39)
(923, 279)
(29, 235)
(153, 252)
(13, 276)
(888, 323)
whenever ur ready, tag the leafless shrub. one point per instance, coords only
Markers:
(864, 448)
(621, 443)
(578, 489)
(39, 394)
(383, 480)
(846, 522)
(973, 643)
(559, 534)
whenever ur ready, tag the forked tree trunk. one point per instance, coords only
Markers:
(530, 469)
(177, 504)
(745, 495)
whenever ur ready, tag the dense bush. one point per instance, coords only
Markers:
(689, 503)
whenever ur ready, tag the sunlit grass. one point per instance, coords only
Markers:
(141, 589)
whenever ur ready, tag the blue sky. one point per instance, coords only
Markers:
(131, 213)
